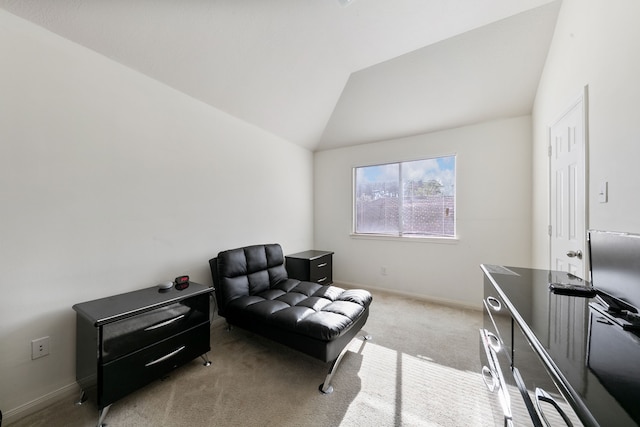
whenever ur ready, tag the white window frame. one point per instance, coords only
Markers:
(400, 235)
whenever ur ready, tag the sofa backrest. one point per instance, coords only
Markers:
(246, 271)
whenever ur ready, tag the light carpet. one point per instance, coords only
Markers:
(421, 368)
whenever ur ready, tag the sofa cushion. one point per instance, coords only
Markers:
(249, 270)
(325, 314)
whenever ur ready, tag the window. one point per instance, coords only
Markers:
(414, 198)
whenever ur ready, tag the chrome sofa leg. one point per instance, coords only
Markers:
(326, 387)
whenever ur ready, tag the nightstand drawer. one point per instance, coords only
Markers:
(131, 334)
(320, 270)
(122, 376)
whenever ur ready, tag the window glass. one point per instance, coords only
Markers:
(415, 198)
(377, 199)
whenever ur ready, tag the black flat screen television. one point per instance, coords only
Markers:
(614, 269)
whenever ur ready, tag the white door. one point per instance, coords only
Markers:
(568, 202)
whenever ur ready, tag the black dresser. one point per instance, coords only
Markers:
(553, 359)
(124, 342)
(311, 266)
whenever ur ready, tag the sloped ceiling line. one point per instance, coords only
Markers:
(318, 74)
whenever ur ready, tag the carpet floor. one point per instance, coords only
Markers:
(421, 368)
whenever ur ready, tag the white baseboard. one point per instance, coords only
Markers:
(443, 301)
(66, 392)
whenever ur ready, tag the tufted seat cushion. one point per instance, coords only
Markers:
(253, 289)
(321, 312)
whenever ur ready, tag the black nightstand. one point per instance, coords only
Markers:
(311, 266)
(126, 341)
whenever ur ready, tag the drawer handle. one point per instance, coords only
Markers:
(487, 373)
(543, 396)
(165, 323)
(324, 264)
(494, 341)
(165, 357)
(494, 303)
(322, 280)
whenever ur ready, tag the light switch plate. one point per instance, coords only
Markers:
(603, 192)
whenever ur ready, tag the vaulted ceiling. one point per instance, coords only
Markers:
(324, 73)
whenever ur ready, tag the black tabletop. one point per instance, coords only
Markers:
(594, 354)
(310, 255)
(116, 307)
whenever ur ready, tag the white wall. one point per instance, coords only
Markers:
(493, 212)
(110, 182)
(596, 43)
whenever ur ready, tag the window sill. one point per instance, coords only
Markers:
(417, 239)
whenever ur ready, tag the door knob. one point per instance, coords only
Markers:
(576, 254)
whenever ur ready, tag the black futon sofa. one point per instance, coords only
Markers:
(254, 292)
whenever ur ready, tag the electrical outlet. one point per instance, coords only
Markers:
(39, 347)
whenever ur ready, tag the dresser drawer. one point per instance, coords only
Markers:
(128, 335)
(122, 376)
(535, 381)
(494, 377)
